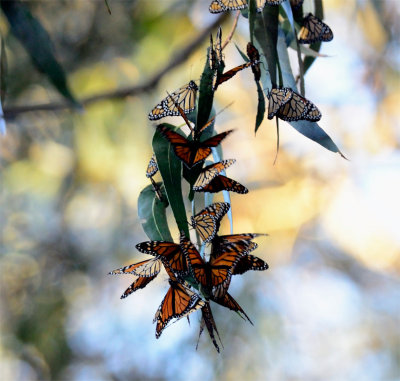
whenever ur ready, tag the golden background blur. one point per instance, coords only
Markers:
(327, 309)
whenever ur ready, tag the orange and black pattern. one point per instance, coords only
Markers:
(191, 152)
(210, 172)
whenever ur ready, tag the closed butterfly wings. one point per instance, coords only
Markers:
(152, 167)
(290, 106)
(207, 221)
(218, 6)
(184, 97)
(314, 30)
(191, 152)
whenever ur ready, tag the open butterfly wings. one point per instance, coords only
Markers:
(178, 302)
(147, 268)
(314, 30)
(207, 221)
(169, 253)
(191, 152)
(184, 97)
(214, 276)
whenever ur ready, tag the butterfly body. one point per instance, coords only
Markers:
(184, 97)
(191, 152)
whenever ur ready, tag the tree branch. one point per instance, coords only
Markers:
(177, 59)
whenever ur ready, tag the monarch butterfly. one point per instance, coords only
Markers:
(230, 73)
(210, 172)
(296, 4)
(213, 276)
(276, 99)
(207, 221)
(228, 302)
(221, 183)
(147, 268)
(216, 59)
(152, 167)
(240, 242)
(314, 30)
(249, 262)
(218, 6)
(298, 108)
(184, 97)
(191, 152)
(179, 301)
(169, 253)
(139, 283)
(207, 320)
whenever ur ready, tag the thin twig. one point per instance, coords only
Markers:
(177, 59)
(229, 38)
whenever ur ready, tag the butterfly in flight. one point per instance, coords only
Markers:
(207, 221)
(184, 97)
(191, 152)
(213, 276)
(314, 30)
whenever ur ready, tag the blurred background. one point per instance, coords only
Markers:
(329, 306)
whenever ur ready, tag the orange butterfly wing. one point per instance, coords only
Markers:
(138, 284)
(221, 183)
(249, 262)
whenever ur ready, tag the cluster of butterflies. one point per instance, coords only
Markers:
(193, 281)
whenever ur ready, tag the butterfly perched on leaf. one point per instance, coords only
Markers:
(179, 301)
(210, 172)
(207, 221)
(228, 302)
(169, 253)
(314, 30)
(191, 152)
(276, 98)
(216, 59)
(290, 106)
(184, 97)
(152, 167)
(214, 276)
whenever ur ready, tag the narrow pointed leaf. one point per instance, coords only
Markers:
(260, 107)
(152, 214)
(37, 42)
(171, 172)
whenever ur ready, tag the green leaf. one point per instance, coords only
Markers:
(108, 7)
(266, 35)
(310, 130)
(152, 214)
(38, 44)
(252, 18)
(260, 107)
(171, 172)
(206, 96)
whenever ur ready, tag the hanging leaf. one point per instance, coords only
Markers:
(37, 42)
(171, 172)
(260, 107)
(152, 214)
(310, 130)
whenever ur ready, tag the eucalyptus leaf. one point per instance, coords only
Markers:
(37, 42)
(152, 214)
(260, 107)
(170, 168)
